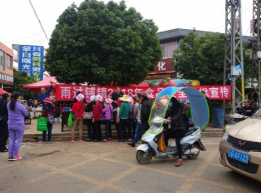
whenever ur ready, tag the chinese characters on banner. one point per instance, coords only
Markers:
(31, 60)
(68, 92)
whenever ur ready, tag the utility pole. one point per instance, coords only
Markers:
(233, 61)
(255, 31)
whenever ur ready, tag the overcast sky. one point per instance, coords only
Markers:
(18, 24)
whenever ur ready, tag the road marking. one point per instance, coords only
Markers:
(187, 185)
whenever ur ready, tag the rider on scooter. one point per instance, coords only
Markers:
(179, 125)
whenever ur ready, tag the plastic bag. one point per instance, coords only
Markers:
(42, 124)
(70, 120)
(161, 144)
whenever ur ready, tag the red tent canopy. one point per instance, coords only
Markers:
(45, 83)
(3, 91)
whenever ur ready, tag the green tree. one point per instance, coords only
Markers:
(202, 58)
(20, 79)
(102, 43)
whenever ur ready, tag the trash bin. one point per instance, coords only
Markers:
(218, 118)
(65, 116)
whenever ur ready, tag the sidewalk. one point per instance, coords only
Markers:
(31, 129)
(32, 135)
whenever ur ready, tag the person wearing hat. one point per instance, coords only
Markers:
(48, 112)
(78, 108)
(146, 105)
(108, 112)
(97, 111)
(124, 117)
(89, 109)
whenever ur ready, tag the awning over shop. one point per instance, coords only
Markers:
(3, 91)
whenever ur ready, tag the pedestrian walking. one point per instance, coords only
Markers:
(137, 112)
(16, 115)
(3, 122)
(124, 117)
(88, 115)
(145, 111)
(97, 111)
(78, 110)
(49, 113)
(108, 112)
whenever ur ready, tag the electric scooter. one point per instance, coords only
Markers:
(191, 143)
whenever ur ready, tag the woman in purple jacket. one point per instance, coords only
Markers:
(108, 116)
(16, 114)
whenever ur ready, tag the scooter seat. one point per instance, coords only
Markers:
(190, 132)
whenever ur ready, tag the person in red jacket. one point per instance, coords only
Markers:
(97, 111)
(78, 108)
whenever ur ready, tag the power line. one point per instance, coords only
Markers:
(37, 41)
(224, 24)
(26, 37)
(39, 20)
(247, 30)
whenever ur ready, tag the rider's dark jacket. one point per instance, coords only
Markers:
(177, 117)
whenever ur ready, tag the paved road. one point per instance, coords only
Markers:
(111, 167)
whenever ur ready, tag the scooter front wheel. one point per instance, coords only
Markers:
(144, 157)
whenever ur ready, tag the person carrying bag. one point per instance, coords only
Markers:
(47, 115)
(77, 111)
(107, 111)
(87, 116)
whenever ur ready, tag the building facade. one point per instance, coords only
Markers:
(6, 66)
(169, 41)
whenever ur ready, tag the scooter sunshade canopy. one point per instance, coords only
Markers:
(198, 103)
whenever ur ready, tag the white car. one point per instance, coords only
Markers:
(240, 148)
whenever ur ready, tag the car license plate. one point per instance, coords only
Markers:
(239, 156)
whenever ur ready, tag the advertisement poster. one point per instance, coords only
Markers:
(31, 60)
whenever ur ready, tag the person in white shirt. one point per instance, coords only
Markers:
(137, 111)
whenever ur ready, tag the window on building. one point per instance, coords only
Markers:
(168, 49)
(1, 60)
(8, 61)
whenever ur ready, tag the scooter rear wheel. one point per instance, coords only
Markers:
(143, 157)
(194, 156)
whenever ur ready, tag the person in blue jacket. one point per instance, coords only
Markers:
(45, 94)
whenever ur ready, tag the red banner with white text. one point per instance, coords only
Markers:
(66, 92)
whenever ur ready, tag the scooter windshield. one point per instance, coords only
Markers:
(157, 116)
(198, 105)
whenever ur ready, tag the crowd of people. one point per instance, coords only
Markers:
(130, 115)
